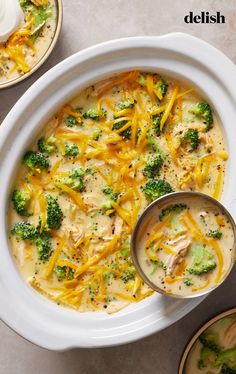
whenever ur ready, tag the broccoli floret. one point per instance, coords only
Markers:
(155, 188)
(21, 199)
(227, 370)
(215, 234)
(47, 145)
(126, 104)
(154, 145)
(142, 80)
(129, 274)
(188, 282)
(156, 122)
(71, 121)
(126, 133)
(162, 87)
(153, 166)
(36, 160)
(113, 196)
(207, 358)
(75, 179)
(210, 341)
(227, 357)
(54, 213)
(107, 205)
(191, 136)
(60, 272)
(175, 208)
(203, 110)
(109, 191)
(44, 246)
(71, 150)
(25, 231)
(97, 135)
(203, 260)
(92, 114)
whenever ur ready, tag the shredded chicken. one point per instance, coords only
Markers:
(181, 246)
(230, 335)
(118, 225)
(76, 234)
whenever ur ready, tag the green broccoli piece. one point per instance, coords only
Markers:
(109, 191)
(126, 104)
(154, 146)
(227, 370)
(227, 357)
(142, 80)
(75, 179)
(156, 122)
(175, 208)
(153, 166)
(43, 246)
(155, 188)
(71, 121)
(215, 234)
(113, 196)
(60, 272)
(97, 135)
(207, 358)
(188, 282)
(191, 136)
(36, 160)
(161, 87)
(129, 274)
(25, 231)
(21, 200)
(203, 111)
(210, 341)
(24, 3)
(92, 114)
(47, 145)
(126, 133)
(54, 213)
(71, 150)
(203, 260)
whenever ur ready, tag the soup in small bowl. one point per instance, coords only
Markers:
(184, 244)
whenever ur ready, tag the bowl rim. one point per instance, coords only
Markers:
(195, 336)
(36, 318)
(16, 81)
(171, 197)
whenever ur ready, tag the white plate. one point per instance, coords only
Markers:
(24, 310)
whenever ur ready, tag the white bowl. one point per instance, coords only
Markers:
(23, 309)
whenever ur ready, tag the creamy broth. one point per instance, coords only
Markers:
(186, 247)
(222, 352)
(27, 46)
(110, 133)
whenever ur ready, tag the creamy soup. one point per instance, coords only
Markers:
(27, 45)
(215, 351)
(95, 167)
(185, 247)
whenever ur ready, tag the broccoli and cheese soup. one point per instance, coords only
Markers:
(215, 350)
(186, 247)
(27, 45)
(98, 163)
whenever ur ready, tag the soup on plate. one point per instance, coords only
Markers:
(99, 161)
(27, 45)
(215, 350)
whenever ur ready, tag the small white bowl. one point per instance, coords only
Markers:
(181, 55)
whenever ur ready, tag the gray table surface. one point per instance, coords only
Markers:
(86, 23)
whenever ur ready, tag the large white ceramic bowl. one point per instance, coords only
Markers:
(27, 312)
